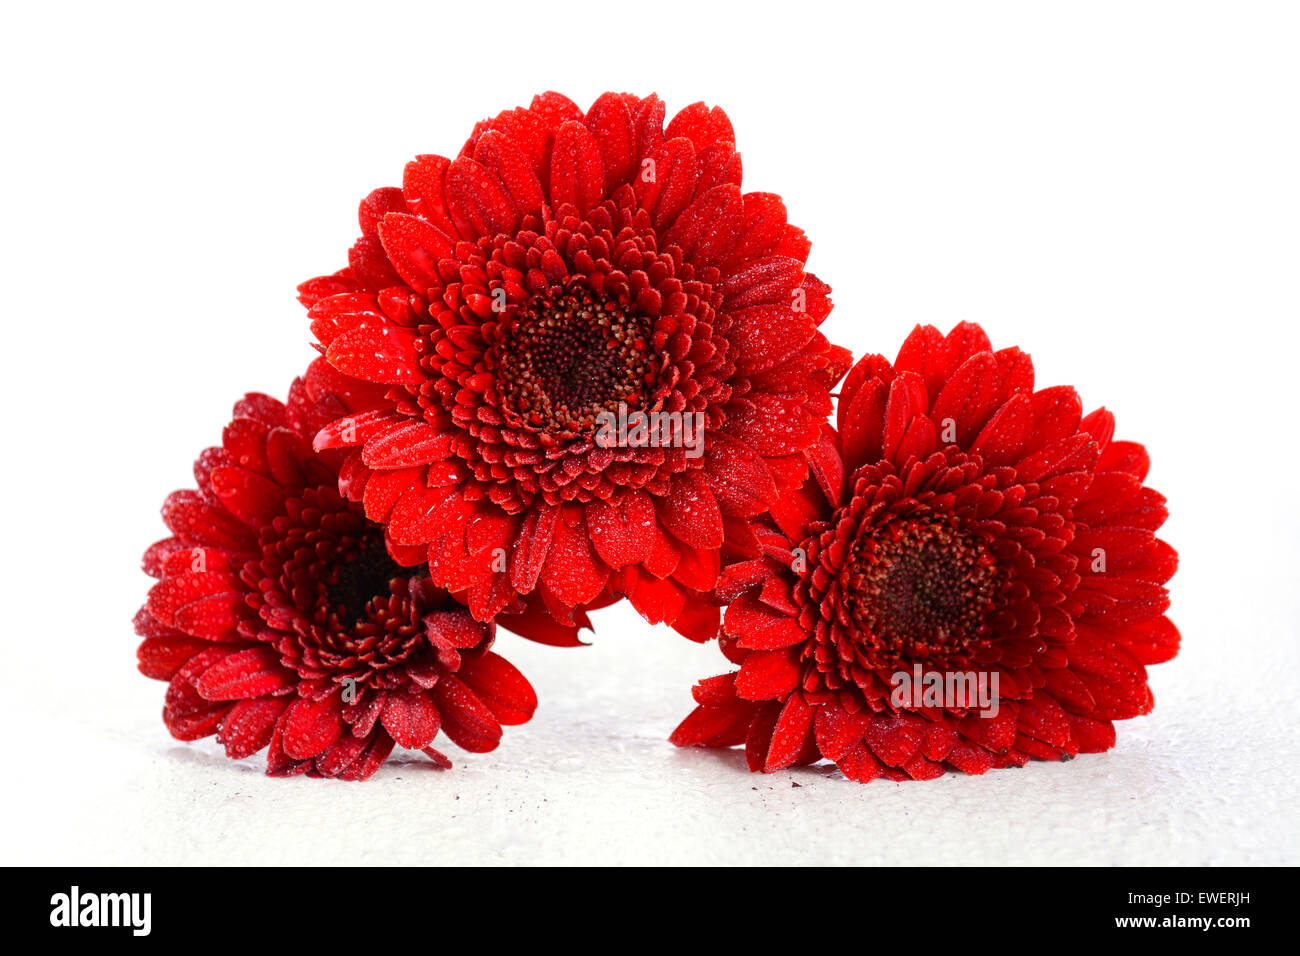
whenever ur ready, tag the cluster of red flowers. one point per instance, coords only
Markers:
(458, 458)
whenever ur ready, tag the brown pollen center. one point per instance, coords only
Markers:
(920, 589)
(567, 359)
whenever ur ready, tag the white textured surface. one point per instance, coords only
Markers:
(1111, 186)
(1210, 777)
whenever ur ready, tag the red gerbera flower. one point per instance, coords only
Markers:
(567, 266)
(960, 524)
(279, 617)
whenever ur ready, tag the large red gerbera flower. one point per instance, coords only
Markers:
(960, 524)
(564, 267)
(279, 617)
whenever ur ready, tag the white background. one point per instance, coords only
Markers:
(1115, 187)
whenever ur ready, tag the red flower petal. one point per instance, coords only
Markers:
(498, 154)
(577, 168)
(478, 202)
(658, 601)
(791, 734)
(969, 397)
(691, 512)
(369, 760)
(384, 355)
(571, 572)
(411, 718)
(247, 495)
(255, 672)
(703, 125)
(618, 531)
(214, 618)
(310, 726)
(161, 657)
(171, 594)
(414, 247)
(411, 443)
(767, 335)
(465, 718)
(721, 726)
(532, 547)
(666, 182)
(501, 686)
(697, 621)
(193, 520)
(422, 186)
(709, 226)
(774, 426)
(249, 725)
(610, 123)
(767, 675)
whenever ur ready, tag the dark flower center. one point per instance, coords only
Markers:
(567, 359)
(368, 575)
(920, 589)
(339, 604)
